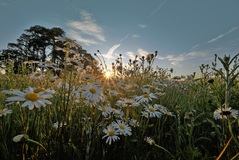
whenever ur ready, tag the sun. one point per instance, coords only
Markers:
(108, 74)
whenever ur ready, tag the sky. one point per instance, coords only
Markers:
(186, 33)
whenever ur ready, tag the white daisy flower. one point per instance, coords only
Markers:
(5, 111)
(92, 92)
(145, 114)
(168, 113)
(161, 108)
(133, 123)
(153, 111)
(118, 113)
(105, 110)
(37, 75)
(123, 128)
(149, 140)
(146, 97)
(223, 113)
(111, 134)
(30, 98)
(127, 102)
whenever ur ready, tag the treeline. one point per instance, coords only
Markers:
(39, 43)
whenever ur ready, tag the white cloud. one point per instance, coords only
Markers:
(142, 26)
(135, 36)
(222, 35)
(76, 36)
(131, 55)
(87, 28)
(178, 60)
(110, 54)
(142, 52)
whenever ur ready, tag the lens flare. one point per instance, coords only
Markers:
(108, 74)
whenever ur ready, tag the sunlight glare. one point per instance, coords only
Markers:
(108, 74)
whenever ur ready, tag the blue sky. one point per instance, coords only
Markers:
(186, 33)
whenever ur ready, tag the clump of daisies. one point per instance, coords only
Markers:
(115, 130)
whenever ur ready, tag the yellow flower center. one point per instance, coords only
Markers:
(111, 133)
(146, 95)
(151, 109)
(92, 90)
(121, 127)
(32, 96)
(66, 49)
(37, 90)
(48, 62)
(37, 74)
(104, 109)
(168, 113)
(69, 40)
(128, 101)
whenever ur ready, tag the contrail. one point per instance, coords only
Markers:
(158, 8)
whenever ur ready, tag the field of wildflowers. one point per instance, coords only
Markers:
(132, 112)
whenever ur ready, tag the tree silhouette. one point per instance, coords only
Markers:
(33, 44)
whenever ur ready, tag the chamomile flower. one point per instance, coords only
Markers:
(92, 92)
(149, 140)
(223, 113)
(5, 111)
(105, 110)
(127, 102)
(145, 114)
(153, 111)
(111, 133)
(161, 108)
(30, 98)
(37, 75)
(146, 97)
(123, 128)
(133, 123)
(118, 113)
(168, 113)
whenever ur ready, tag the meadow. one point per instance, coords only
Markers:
(128, 112)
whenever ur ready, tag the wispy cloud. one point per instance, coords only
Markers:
(87, 30)
(110, 54)
(142, 26)
(76, 36)
(142, 52)
(158, 8)
(222, 35)
(135, 36)
(179, 59)
(131, 55)
(124, 38)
